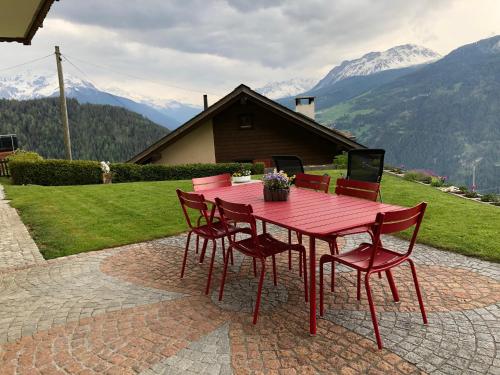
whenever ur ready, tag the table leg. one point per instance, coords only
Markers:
(312, 284)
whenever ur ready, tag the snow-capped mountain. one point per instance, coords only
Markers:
(291, 87)
(374, 62)
(34, 86)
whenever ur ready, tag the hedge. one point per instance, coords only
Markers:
(64, 172)
(55, 172)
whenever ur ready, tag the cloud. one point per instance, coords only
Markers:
(272, 33)
(212, 46)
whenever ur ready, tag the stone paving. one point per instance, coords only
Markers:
(125, 311)
(17, 248)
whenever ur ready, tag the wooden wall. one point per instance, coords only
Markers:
(269, 135)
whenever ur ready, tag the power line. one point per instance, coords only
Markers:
(115, 98)
(25, 63)
(109, 68)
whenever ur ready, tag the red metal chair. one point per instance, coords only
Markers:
(313, 182)
(211, 182)
(358, 189)
(210, 231)
(205, 183)
(373, 257)
(258, 246)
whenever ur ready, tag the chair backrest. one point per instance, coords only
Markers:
(237, 213)
(290, 164)
(196, 202)
(312, 181)
(365, 165)
(398, 221)
(358, 189)
(212, 182)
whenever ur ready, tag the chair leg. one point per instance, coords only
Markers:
(332, 285)
(321, 291)
(372, 310)
(203, 249)
(264, 227)
(197, 243)
(299, 239)
(254, 267)
(358, 287)
(224, 249)
(275, 279)
(185, 255)
(289, 251)
(223, 280)
(392, 284)
(210, 270)
(259, 291)
(306, 289)
(417, 289)
(232, 258)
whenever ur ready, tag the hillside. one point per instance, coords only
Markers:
(442, 117)
(98, 132)
(29, 85)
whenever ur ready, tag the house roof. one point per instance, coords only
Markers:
(20, 19)
(240, 91)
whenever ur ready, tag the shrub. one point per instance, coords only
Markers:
(24, 155)
(462, 189)
(340, 161)
(418, 176)
(64, 172)
(426, 179)
(55, 172)
(489, 198)
(471, 194)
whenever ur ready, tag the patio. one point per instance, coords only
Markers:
(125, 310)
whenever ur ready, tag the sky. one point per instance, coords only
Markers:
(180, 49)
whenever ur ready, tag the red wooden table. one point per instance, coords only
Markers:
(308, 212)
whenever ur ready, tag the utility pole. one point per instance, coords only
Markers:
(64, 108)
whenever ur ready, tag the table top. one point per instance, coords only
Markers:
(306, 211)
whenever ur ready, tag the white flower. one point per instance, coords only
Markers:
(105, 167)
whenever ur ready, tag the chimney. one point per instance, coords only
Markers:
(205, 102)
(305, 105)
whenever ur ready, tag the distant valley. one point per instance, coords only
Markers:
(429, 112)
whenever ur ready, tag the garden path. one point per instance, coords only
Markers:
(17, 248)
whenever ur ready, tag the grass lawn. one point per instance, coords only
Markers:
(72, 219)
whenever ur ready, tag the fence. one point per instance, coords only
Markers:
(4, 168)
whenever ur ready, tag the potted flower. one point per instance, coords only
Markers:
(106, 172)
(242, 175)
(276, 186)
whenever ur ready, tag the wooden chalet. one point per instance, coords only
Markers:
(245, 126)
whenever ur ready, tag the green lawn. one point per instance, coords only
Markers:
(72, 219)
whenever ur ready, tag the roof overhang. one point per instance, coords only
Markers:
(259, 99)
(20, 19)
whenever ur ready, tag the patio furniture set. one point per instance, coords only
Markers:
(216, 210)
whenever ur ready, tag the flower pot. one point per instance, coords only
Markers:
(107, 178)
(275, 195)
(240, 179)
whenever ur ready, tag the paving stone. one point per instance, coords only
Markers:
(126, 310)
(194, 358)
(17, 248)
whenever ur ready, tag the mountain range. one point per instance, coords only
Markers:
(34, 86)
(443, 115)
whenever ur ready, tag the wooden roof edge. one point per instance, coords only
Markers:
(187, 125)
(330, 133)
(36, 23)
